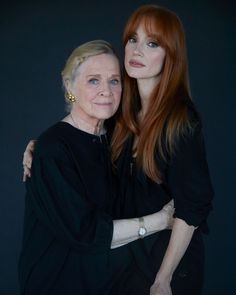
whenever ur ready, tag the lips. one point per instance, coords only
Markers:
(103, 103)
(136, 64)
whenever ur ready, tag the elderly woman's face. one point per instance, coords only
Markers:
(97, 87)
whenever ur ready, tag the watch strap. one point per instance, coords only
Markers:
(141, 222)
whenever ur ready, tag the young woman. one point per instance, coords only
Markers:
(158, 149)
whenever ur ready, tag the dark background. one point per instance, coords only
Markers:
(37, 37)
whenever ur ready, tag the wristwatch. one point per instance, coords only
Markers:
(142, 229)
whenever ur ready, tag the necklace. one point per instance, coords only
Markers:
(75, 123)
(89, 130)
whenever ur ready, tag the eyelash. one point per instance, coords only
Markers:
(154, 44)
(113, 82)
(151, 44)
(93, 81)
(132, 40)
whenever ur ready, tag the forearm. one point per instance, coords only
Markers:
(180, 238)
(126, 230)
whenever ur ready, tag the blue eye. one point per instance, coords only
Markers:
(132, 40)
(153, 44)
(93, 81)
(114, 82)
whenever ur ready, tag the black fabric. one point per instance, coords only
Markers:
(68, 218)
(186, 180)
(70, 204)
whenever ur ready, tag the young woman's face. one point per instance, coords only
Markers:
(97, 87)
(144, 58)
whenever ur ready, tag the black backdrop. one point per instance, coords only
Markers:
(36, 38)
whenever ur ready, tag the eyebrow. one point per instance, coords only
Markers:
(152, 35)
(98, 75)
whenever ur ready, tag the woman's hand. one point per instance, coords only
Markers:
(27, 159)
(167, 213)
(161, 288)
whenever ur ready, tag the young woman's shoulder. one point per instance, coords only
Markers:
(194, 117)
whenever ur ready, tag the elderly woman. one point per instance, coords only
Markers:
(68, 227)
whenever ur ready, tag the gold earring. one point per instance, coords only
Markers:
(70, 97)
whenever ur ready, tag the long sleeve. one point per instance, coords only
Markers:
(188, 179)
(61, 202)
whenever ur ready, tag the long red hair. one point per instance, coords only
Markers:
(166, 117)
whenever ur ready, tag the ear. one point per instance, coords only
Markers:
(68, 86)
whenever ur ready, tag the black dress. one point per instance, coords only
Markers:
(68, 219)
(185, 179)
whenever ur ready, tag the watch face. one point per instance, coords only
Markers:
(142, 231)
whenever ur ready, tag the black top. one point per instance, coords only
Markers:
(68, 218)
(186, 179)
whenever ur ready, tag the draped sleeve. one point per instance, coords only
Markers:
(188, 179)
(57, 190)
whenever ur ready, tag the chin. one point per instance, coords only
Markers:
(133, 74)
(104, 115)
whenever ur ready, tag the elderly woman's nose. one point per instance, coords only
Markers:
(105, 88)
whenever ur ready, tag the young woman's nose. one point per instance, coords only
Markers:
(138, 50)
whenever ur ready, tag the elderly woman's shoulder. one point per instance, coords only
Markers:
(52, 140)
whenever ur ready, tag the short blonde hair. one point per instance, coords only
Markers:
(83, 52)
